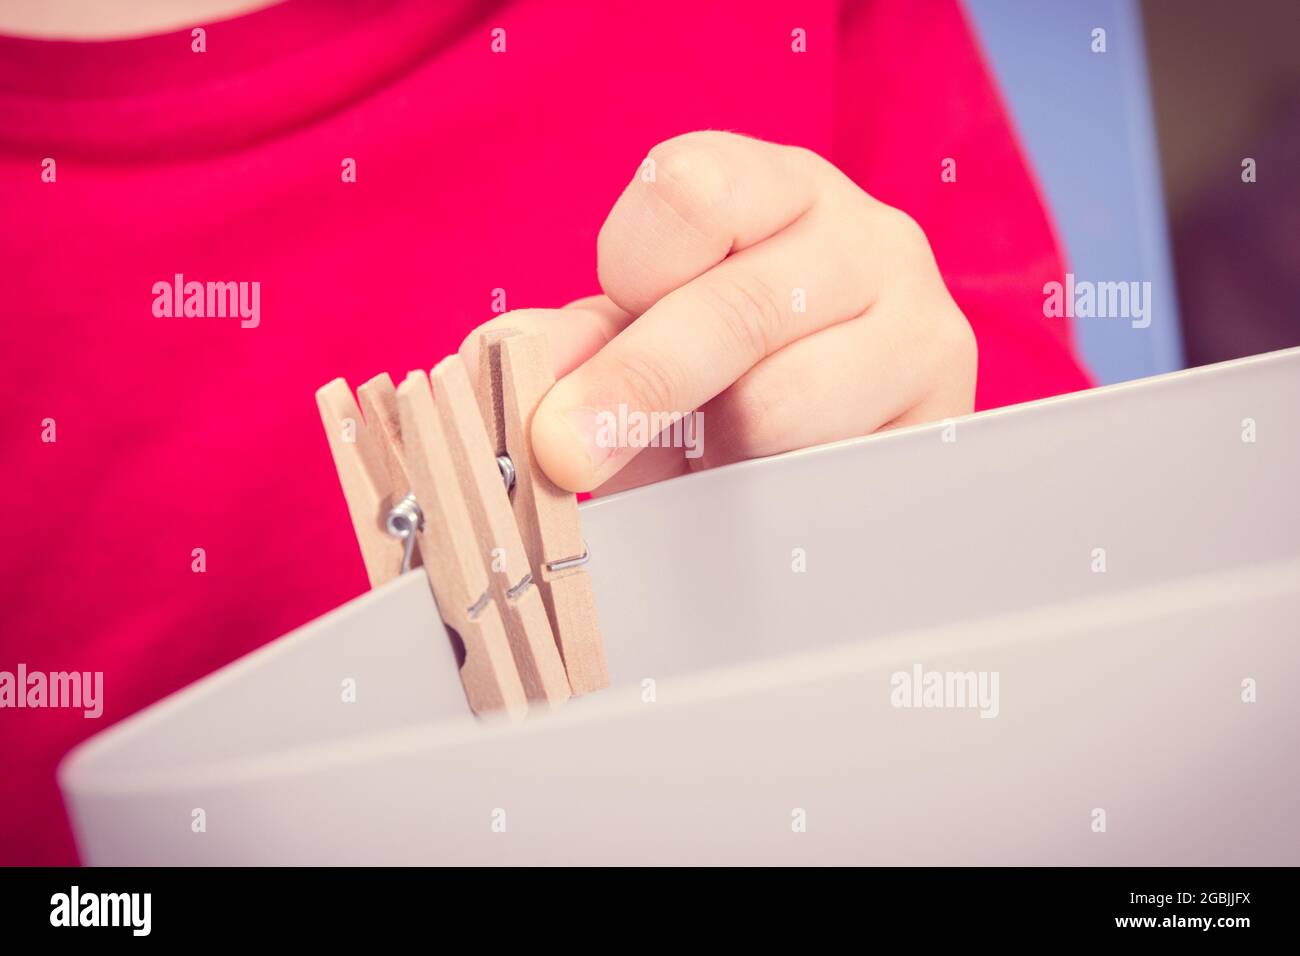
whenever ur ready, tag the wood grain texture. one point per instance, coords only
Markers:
(499, 545)
(489, 387)
(370, 474)
(454, 565)
(519, 374)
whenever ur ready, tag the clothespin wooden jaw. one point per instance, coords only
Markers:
(455, 569)
(366, 444)
(498, 542)
(515, 373)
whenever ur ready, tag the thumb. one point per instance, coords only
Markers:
(599, 417)
(574, 334)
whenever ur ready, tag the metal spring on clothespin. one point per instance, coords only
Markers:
(507, 468)
(405, 519)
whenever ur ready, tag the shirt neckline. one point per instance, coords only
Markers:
(263, 73)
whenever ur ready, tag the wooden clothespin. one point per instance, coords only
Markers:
(454, 566)
(367, 452)
(515, 373)
(498, 542)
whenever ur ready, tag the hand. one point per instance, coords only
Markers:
(757, 284)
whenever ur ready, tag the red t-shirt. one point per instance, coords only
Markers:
(475, 171)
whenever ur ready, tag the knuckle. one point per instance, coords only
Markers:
(809, 164)
(966, 347)
(748, 418)
(809, 158)
(691, 180)
(955, 347)
(648, 380)
(748, 311)
(621, 277)
(907, 236)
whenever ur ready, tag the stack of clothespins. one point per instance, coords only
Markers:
(434, 475)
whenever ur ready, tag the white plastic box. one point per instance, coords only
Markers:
(753, 717)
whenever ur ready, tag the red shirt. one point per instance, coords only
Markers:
(475, 171)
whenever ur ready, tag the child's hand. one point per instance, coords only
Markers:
(757, 283)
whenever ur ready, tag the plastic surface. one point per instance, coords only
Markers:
(750, 699)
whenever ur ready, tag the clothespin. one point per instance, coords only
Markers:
(515, 373)
(367, 452)
(378, 472)
(535, 652)
(455, 568)
(418, 469)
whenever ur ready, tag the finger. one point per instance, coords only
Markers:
(697, 199)
(649, 466)
(851, 379)
(574, 333)
(825, 268)
(860, 383)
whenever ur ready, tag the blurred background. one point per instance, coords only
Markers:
(1140, 151)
